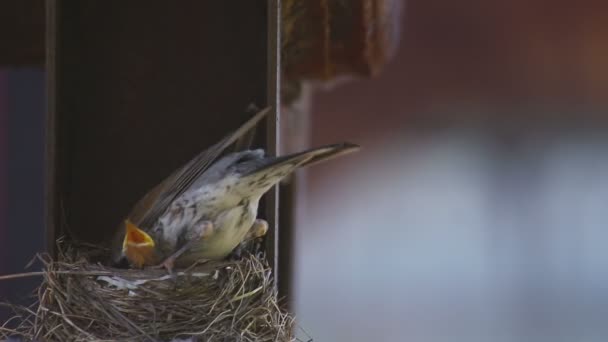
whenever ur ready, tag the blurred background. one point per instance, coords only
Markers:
(477, 209)
(22, 137)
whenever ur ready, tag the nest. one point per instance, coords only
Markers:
(217, 301)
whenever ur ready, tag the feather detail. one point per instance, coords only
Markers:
(154, 204)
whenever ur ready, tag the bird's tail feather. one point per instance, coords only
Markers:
(286, 164)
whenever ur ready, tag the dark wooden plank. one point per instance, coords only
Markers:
(22, 26)
(51, 192)
(287, 193)
(272, 133)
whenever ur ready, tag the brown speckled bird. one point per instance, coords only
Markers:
(208, 207)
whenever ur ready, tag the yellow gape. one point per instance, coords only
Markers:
(137, 246)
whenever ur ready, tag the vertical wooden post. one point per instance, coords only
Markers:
(51, 192)
(272, 129)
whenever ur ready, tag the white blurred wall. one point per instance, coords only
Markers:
(477, 209)
(448, 236)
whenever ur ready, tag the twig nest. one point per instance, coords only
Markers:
(215, 301)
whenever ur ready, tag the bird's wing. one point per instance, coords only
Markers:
(154, 204)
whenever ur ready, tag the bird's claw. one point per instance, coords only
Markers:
(258, 229)
(168, 264)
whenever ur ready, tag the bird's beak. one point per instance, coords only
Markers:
(135, 237)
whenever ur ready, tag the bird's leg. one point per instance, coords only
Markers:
(258, 229)
(203, 231)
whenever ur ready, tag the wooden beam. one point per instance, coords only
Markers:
(51, 193)
(22, 26)
(272, 131)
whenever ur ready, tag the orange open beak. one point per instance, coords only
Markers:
(137, 246)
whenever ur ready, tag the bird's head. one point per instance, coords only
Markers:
(138, 247)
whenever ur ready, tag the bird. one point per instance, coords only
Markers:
(208, 207)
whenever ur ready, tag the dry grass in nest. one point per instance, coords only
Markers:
(219, 301)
